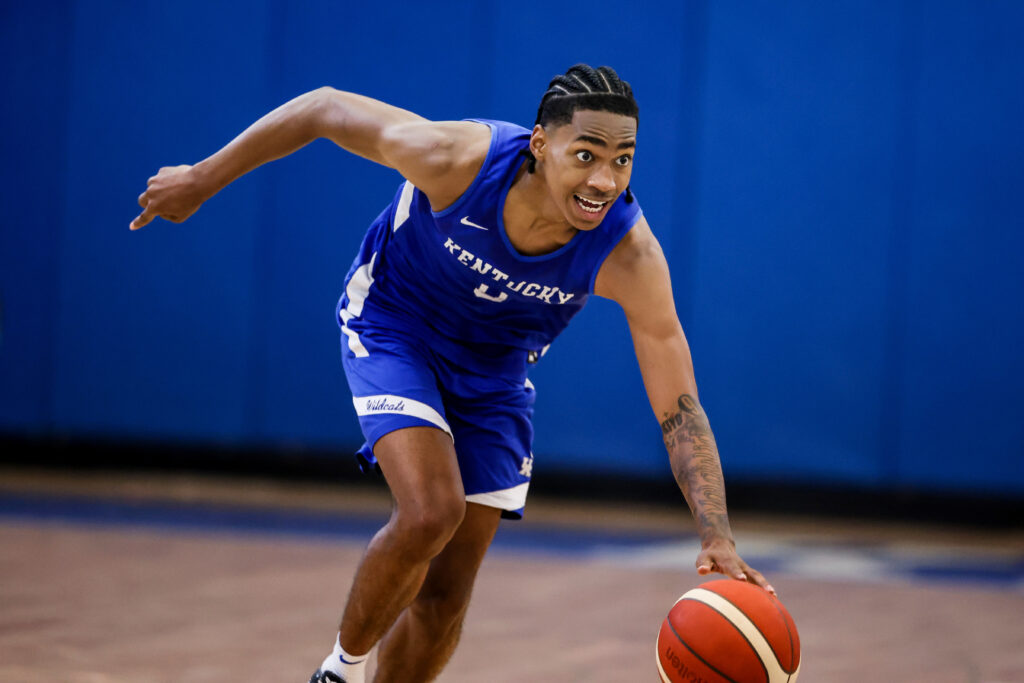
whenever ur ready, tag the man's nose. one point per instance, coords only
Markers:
(602, 180)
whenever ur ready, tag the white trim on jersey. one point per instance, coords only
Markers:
(506, 499)
(357, 289)
(404, 203)
(399, 405)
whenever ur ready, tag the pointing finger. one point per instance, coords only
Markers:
(141, 220)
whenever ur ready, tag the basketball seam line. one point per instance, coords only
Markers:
(719, 602)
(672, 628)
(789, 634)
(764, 667)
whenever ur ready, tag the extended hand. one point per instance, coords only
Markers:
(720, 556)
(174, 193)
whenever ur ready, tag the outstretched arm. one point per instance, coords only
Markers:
(440, 158)
(636, 276)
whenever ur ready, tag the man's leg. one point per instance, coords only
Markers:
(423, 639)
(422, 472)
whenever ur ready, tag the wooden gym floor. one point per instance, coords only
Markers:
(114, 578)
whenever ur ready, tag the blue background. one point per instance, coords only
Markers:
(837, 187)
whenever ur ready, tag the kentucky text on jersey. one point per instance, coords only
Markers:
(542, 292)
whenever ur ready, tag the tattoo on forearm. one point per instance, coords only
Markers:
(694, 456)
(686, 405)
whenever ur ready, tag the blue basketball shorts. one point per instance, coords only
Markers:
(398, 381)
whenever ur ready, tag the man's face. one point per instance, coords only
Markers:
(587, 163)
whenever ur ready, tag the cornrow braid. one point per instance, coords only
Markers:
(584, 87)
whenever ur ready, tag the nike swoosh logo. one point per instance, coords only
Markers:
(466, 221)
(345, 661)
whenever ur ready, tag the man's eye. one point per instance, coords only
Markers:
(624, 160)
(584, 155)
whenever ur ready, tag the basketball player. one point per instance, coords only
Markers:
(492, 244)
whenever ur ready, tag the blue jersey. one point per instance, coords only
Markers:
(453, 278)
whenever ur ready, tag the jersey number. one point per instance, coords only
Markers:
(481, 292)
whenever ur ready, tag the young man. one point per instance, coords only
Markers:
(492, 244)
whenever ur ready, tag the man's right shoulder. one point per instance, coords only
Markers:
(472, 139)
(442, 158)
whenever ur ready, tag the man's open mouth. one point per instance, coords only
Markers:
(589, 205)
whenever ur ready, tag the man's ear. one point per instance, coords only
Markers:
(538, 142)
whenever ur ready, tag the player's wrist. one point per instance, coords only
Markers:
(717, 538)
(207, 178)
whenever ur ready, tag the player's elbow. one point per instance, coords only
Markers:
(329, 97)
(327, 111)
(323, 92)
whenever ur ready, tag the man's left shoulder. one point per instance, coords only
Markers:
(637, 245)
(631, 264)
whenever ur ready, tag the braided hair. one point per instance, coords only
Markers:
(583, 87)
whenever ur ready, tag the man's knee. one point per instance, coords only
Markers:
(428, 527)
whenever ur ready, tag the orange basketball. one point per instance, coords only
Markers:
(728, 631)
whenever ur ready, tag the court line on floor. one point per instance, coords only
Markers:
(648, 550)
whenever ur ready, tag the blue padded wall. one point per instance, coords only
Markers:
(836, 187)
(959, 396)
(798, 158)
(34, 47)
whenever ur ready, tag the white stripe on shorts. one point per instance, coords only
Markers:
(506, 499)
(357, 290)
(399, 405)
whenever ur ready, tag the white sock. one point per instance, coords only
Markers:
(349, 667)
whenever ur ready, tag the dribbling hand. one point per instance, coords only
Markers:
(174, 194)
(720, 556)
